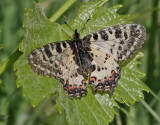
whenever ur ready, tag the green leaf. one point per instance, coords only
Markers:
(39, 31)
(94, 108)
(99, 16)
(130, 86)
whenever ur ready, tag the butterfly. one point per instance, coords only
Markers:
(96, 56)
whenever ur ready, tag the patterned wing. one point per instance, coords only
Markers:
(55, 60)
(122, 40)
(106, 72)
(73, 81)
(109, 46)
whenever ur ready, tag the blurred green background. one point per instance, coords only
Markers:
(17, 110)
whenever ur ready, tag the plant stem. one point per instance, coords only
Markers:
(59, 13)
(151, 45)
(8, 62)
(155, 96)
(154, 100)
(129, 116)
(150, 110)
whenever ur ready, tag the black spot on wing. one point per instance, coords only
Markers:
(119, 48)
(122, 42)
(76, 75)
(87, 38)
(118, 33)
(134, 27)
(56, 66)
(95, 36)
(58, 48)
(98, 68)
(104, 35)
(93, 68)
(47, 51)
(110, 31)
(44, 58)
(111, 51)
(52, 46)
(125, 35)
(64, 44)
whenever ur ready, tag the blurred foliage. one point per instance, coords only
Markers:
(17, 110)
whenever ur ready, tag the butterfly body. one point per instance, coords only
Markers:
(80, 50)
(96, 56)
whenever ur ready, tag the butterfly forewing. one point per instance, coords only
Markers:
(47, 59)
(55, 60)
(123, 40)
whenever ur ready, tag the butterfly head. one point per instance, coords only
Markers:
(76, 34)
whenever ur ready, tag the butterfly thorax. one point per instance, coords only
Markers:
(76, 35)
(81, 51)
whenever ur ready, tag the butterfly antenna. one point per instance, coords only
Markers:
(69, 26)
(67, 18)
(66, 33)
(84, 25)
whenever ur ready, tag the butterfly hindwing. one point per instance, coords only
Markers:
(107, 71)
(74, 82)
(109, 46)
